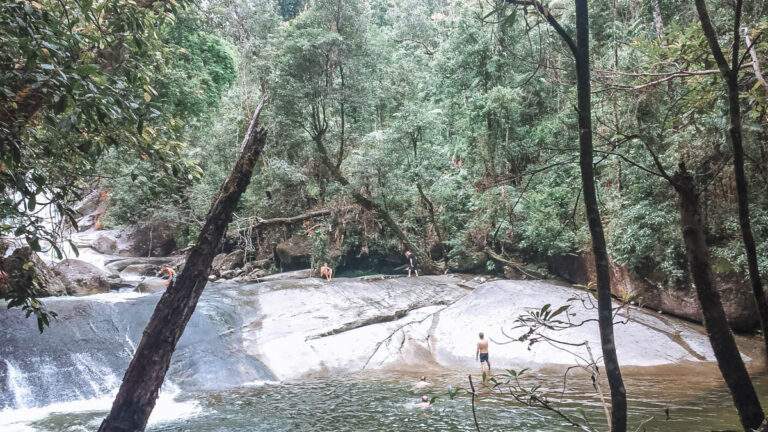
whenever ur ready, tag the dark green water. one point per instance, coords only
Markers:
(695, 399)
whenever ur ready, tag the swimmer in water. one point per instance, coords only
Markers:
(425, 403)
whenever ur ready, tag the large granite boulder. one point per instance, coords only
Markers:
(154, 239)
(227, 262)
(678, 299)
(83, 278)
(410, 323)
(117, 265)
(104, 244)
(152, 285)
(294, 253)
(24, 269)
(138, 270)
(91, 208)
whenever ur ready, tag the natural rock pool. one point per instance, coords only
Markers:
(694, 397)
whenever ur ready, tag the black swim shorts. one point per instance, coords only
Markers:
(483, 357)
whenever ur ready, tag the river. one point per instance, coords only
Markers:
(694, 398)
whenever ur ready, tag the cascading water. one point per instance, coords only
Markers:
(17, 387)
(78, 362)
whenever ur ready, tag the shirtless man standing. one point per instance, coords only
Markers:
(482, 352)
(412, 264)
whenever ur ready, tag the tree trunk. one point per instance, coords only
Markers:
(602, 269)
(743, 199)
(146, 372)
(731, 76)
(723, 343)
(260, 224)
(431, 209)
(427, 265)
(658, 21)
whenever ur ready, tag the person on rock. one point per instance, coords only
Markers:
(411, 263)
(167, 272)
(326, 272)
(482, 354)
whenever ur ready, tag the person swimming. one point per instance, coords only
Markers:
(425, 403)
(167, 272)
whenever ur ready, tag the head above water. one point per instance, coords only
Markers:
(482, 335)
(422, 378)
(424, 398)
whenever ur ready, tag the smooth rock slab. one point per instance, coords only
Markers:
(290, 328)
(645, 340)
(310, 326)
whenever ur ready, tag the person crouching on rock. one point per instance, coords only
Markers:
(411, 263)
(168, 273)
(326, 272)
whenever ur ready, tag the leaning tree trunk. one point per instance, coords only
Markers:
(427, 265)
(146, 372)
(731, 76)
(723, 343)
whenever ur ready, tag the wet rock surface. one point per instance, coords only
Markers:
(287, 328)
(677, 299)
(83, 278)
(152, 285)
(23, 266)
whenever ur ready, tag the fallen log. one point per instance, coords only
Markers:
(289, 220)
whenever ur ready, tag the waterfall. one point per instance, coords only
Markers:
(17, 386)
(84, 353)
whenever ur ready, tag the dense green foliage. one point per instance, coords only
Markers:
(456, 117)
(473, 105)
(92, 90)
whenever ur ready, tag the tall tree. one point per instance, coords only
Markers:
(76, 82)
(580, 51)
(730, 73)
(146, 372)
(720, 336)
(321, 63)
